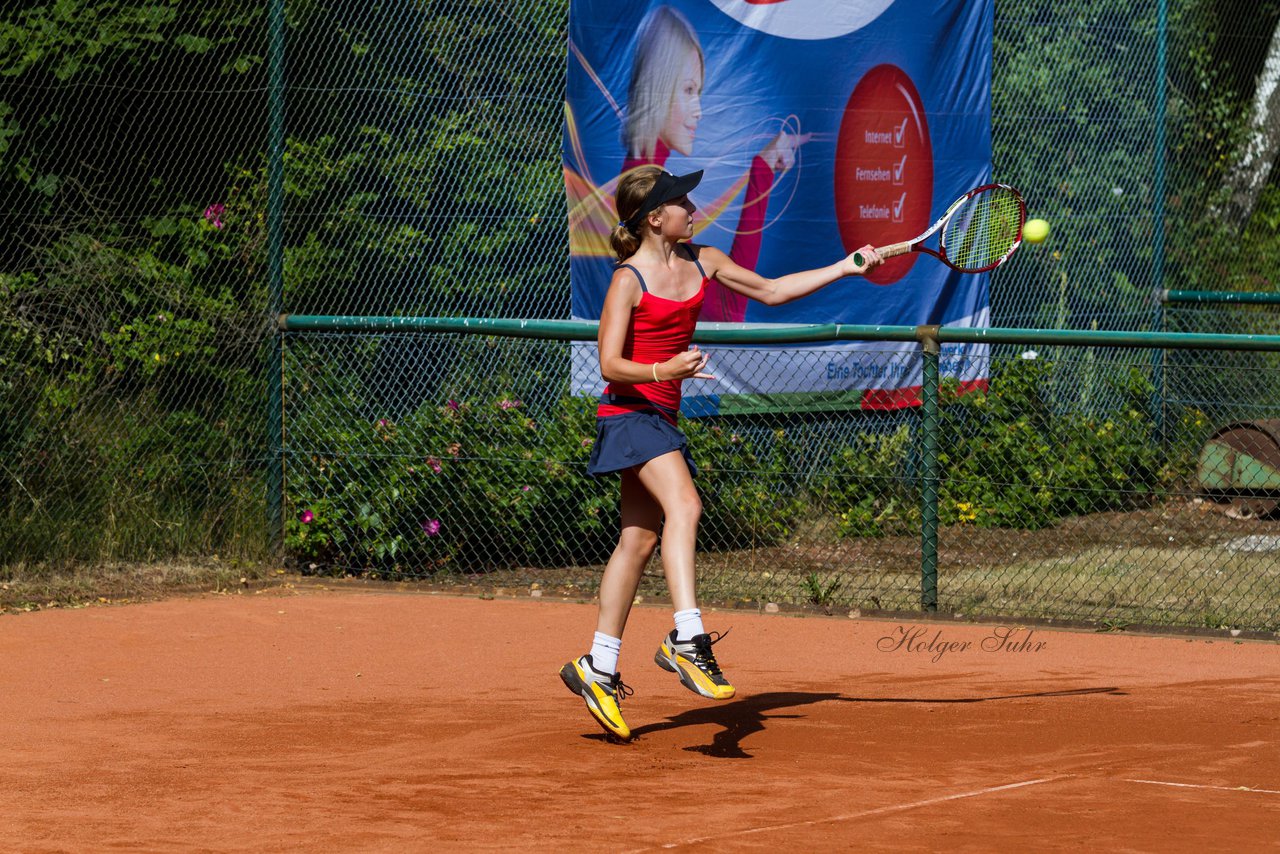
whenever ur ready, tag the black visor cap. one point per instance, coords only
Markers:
(667, 188)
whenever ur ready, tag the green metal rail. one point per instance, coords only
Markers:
(740, 333)
(1236, 297)
(930, 337)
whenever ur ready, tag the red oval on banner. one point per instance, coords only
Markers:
(884, 168)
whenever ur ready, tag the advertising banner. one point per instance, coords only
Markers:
(822, 125)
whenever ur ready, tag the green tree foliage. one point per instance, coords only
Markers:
(1078, 81)
(422, 175)
(425, 159)
(1075, 103)
(130, 322)
(132, 293)
(1223, 48)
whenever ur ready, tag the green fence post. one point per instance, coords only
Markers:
(1157, 243)
(929, 426)
(275, 268)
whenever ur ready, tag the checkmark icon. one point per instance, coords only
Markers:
(898, 169)
(899, 131)
(897, 207)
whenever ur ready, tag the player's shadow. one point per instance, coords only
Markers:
(741, 718)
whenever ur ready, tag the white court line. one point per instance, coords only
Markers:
(866, 813)
(1199, 786)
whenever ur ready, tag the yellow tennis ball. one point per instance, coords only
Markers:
(1035, 230)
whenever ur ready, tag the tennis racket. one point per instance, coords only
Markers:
(980, 231)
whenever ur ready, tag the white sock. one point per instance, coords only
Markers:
(688, 624)
(604, 653)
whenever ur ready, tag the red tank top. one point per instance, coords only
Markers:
(659, 329)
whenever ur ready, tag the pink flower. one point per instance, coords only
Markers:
(435, 464)
(454, 405)
(525, 488)
(509, 404)
(431, 527)
(306, 517)
(587, 443)
(382, 424)
(213, 214)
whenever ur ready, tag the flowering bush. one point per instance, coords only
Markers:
(869, 486)
(461, 483)
(1014, 459)
(470, 484)
(1010, 458)
(751, 484)
(496, 480)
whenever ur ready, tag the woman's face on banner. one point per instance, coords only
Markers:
(686, 107)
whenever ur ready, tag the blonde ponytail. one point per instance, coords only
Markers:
(631, 193)
(623, 241)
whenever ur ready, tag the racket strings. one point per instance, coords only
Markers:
(983, 229)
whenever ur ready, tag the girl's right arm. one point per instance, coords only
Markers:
(786, 288)
(623, 295)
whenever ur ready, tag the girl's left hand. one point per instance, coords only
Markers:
(689, 365)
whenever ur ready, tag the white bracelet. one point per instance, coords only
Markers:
(655, 372)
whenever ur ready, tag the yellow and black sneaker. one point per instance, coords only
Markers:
(602, 691)
(695, 664)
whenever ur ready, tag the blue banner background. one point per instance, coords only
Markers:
(757, 85)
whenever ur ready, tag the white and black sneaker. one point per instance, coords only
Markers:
(695, 664)
(602, 692)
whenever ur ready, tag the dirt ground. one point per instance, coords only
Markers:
(321, 720)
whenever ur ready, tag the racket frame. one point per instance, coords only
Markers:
(915, 244)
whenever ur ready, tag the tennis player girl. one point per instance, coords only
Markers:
(646, 328)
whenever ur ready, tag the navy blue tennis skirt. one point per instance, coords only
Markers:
(627, 440)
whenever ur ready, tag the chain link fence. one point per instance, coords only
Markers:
(422, 177)
(1070, 489)
(132, 300)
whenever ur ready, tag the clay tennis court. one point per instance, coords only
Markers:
(318, 720)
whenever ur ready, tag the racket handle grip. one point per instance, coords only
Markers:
(884, 252)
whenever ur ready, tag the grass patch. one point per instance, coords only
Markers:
(1203, 586)
(25, 587)
(1182, 564)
